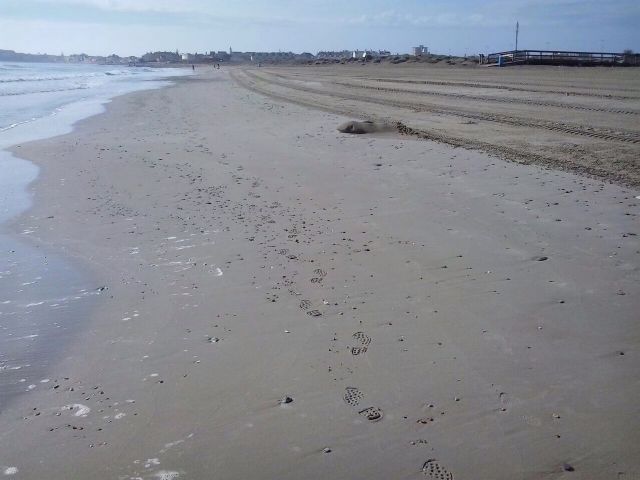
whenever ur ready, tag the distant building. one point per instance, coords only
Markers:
(220, 56)
(421, 50)
(115, 60)
(78, 58)
(161, 57)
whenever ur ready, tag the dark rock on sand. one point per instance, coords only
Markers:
(366, 126)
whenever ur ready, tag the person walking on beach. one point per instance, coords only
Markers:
(193, 67)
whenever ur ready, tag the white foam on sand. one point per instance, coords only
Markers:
(34, 304)
(183, 247)
(151, 462)
(170, 445)
(81, 410)
(167, 475)
(10, 470)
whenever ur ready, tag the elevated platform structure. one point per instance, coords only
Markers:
(554, 57)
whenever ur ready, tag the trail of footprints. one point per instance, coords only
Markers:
(353, 396)
(360, 341)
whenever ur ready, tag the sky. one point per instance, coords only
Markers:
(456, 27)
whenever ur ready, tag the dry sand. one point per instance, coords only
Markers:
(432, 312)
(585, 120)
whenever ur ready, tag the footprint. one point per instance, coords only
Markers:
(283, 251)
(432, 469)
(373, 414)
(362, 337)
(352, 396)
(305, 304)
(364, 340)
(319, 272)
(316, 279)
(505, 401)
(314, 313)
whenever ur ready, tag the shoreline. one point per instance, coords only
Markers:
(413, 300)
(40, 314)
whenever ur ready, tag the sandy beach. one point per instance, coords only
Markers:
(279, 300)
(584, 120)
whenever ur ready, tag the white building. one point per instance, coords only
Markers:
(421, 50)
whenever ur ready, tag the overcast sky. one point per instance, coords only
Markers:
(133, 27)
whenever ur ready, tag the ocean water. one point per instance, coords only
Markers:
(45, 100)
(29, 91)
(44, 298)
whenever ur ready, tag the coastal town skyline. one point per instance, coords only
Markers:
(465, 27)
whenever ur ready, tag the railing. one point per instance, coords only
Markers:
(551, 57)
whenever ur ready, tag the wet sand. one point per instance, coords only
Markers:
(43, 297)
(287, 301)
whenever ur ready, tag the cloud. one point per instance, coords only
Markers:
(361, 13)
(392, 18)
(132, 5)
(499, 13)
(139, 12)
(569, 12)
